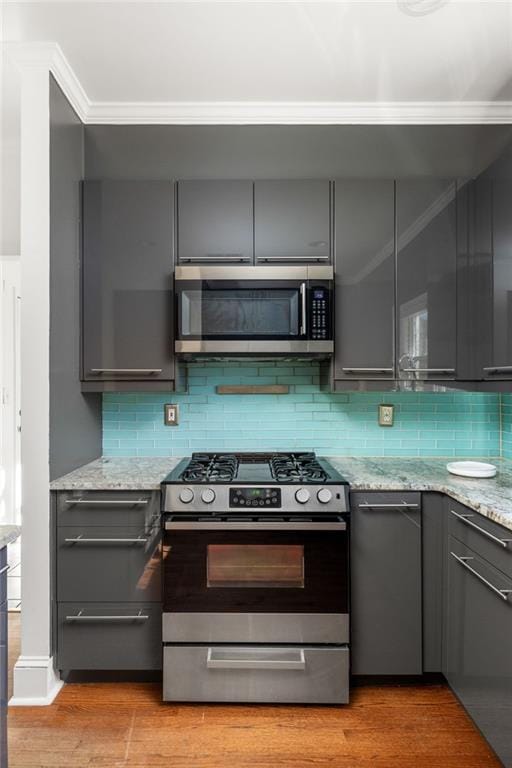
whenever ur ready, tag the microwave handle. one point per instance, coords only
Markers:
(304, 319)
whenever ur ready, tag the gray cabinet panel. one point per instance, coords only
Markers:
(103, 564)
(426, 278)
(3, 576)
(127, 280)
(124, 636)
(386, 584)
(479, 638)
(488, 539)
(292, 220)
(215, 221)
(433, 537)
(365, 279)
(124, 508)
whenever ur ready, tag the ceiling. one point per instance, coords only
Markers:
(276, 51)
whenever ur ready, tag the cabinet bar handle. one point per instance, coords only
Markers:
(465, 519)
(80, 540)
(5, 569)
(398, 505)
(108, 502)
(257, 662)
(367, 370)
(311, 258)
(503, 593)
(499, 369)
(135, 617)
(127, 370)
(208, 257)
(427, 370)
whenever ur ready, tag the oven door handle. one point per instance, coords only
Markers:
(254, 658)
(251, 526)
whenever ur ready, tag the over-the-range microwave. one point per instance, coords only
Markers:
(253, 310)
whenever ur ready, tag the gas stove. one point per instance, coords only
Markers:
(246, 484)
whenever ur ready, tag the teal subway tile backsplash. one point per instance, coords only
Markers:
(506, 425)
(430, 424)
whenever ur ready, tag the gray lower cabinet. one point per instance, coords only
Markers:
(386, 584)
(3, 658)
(108, 580)
(479, 642)
(127, 282)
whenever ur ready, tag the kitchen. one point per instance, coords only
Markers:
(263, 341)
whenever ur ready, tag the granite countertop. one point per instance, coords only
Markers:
(491, 498)
(8, 534)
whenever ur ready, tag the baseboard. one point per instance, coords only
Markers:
(35, 682)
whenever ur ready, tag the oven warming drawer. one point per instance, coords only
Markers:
(321, 628)
(287, 675)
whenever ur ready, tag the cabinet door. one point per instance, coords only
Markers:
(292, 221)
(426, 282)
(479, 639)
(386, 584)
(215, 221)
(127, 280)
(365, 279)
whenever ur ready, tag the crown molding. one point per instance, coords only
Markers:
(50, 55)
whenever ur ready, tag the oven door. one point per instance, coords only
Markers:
(256, 586)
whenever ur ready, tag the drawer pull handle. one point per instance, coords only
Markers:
(503, 593)
(428, 370)
(135, 617)
(398, 505)
(498, 369)
(83, 540)
(108, 502)
(125, 371)
(367, 370)
(465, 519)
(5, 569)
(296, 662)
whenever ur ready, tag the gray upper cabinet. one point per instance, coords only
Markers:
(215, 221)
(365, 279)
(386, 584)
(127, 328)
(426, 278)
(292, 221)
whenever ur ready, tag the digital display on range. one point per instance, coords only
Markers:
(241, 498)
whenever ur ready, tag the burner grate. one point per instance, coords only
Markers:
(298, 467)
(204, 467)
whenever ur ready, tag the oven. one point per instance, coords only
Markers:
(249, 310)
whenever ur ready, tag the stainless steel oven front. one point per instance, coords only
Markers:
(251, 310)
(256, 582)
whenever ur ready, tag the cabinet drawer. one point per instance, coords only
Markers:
(125, 636)
(381, 501)
(102, 564)
(108, 508)
(488, 539)
(305, 675)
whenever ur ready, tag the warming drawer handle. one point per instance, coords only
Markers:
(83, 540)
(135, 617)
(256, 662)
(108, 502)
(249, 526)
(465, 519)
(503, 593)
(398, 505)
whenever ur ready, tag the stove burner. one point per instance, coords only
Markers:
(301, 467)
(204, 467)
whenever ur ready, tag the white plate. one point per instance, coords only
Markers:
(471, 469)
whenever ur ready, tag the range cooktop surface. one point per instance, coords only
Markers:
(301, 468)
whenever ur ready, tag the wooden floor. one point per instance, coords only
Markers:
(127, 726)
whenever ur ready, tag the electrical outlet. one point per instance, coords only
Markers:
(171, 415)
(386, 415)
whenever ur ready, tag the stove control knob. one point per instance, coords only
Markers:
(186, 495)
(208, 495)
(324, 495)
(302, 495)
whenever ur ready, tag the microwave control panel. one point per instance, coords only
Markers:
(320, 313)
(255, 497)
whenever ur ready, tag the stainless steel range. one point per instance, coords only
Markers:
(256, 579)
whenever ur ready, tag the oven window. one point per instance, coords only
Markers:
(254, 565)
(240, 312)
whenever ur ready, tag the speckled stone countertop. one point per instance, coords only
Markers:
(8, 534)
(491, 498)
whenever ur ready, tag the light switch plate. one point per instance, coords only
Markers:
(386, 415)
(171, 415)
